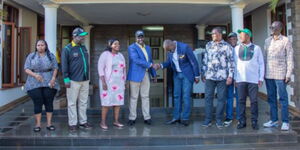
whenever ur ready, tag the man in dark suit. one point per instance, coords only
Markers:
(186, 71)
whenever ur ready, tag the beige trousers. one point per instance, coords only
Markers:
(78, 91)
(143, 88)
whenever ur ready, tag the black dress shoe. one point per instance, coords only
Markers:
(50, 128)
(241, 125)
(148, 121)
(37, 129)
(72, 128)
(185, 122)
(131, 122)
(173, 121)
(254, 126)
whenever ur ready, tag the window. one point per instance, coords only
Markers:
(10, 14)
(8, 55)
(10, 20)
(280, 15)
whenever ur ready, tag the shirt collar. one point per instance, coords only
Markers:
(221, 42)
(279, 37)
(175, 51)
(248, 45)
(142, 46)
(74, 44)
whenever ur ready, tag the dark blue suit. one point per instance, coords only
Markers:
(183, 81)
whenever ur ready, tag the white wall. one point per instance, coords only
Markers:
(260, 24)
(29, 19)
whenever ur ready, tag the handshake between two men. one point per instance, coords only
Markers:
(158, 66)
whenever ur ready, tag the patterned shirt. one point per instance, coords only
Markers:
(40, 65)
(278, 56)
(218, 63)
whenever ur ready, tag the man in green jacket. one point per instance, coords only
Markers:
(75, 69)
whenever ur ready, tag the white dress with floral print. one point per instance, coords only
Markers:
(114, 96)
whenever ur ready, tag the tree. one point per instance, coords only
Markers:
(274, 4)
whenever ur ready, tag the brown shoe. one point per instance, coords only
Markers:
(72, 128)
(85, 126)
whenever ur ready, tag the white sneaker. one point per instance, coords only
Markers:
(285, 126)
(271, 124)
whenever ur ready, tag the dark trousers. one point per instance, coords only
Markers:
(210, 86)
(42, 96)
(247, 89)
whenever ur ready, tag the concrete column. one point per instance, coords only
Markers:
(237, 16)
(201, 31)
(87, 41)
(51, 26)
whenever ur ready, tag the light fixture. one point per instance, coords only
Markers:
(153, 28)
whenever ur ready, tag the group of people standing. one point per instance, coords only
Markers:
(227, 66)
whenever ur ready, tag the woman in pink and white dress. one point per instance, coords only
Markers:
(112, 73)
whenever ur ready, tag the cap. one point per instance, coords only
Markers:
(247, 31)
(139, 33)
(79, 32)
(232, 34)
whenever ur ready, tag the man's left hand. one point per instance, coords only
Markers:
(287, 80)
(229, 81)
(155, 79)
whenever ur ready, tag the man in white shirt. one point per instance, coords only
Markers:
(249, 76)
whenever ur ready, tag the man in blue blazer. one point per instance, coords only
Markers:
(186, 71)
(140, 69)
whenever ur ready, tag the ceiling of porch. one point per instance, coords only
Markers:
(141, 13)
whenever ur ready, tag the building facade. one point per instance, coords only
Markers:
(189, 21)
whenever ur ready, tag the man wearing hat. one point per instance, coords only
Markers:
(231, 90)
(140, 68)
(249, 76)
(75, 69)
(279, 68)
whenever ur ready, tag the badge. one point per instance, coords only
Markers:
(75, 54)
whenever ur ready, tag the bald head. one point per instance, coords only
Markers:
(169, 45)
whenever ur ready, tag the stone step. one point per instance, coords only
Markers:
(272, 146)
(157, 134)
(150, 141)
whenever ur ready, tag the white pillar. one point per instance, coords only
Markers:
(201, 31)
(87, 41)
(237, 16)
(51, 26)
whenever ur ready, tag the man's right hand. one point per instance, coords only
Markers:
(203, 79)
(68, 85)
